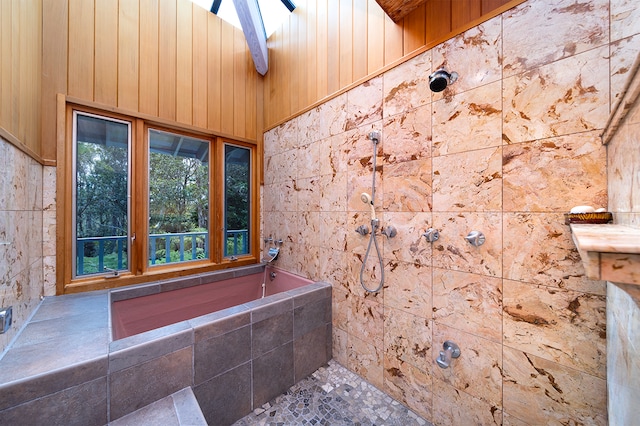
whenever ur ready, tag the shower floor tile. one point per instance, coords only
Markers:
(333, 395)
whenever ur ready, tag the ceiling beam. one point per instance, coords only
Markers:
(253, 28)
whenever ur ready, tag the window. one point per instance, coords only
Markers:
(178, 198)
(101, 202)
(146, 201)
(237, 219)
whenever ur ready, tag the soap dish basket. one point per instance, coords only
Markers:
(594, 217)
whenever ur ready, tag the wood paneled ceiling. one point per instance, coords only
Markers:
(398, 9)
(461, 9)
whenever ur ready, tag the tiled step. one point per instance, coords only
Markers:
(179, 409)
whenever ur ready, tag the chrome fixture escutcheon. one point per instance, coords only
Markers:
(431, 235)
(390, 231)
(362, 230)
(475, 238)
(451, 350)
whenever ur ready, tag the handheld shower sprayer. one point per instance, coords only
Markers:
(366, 198)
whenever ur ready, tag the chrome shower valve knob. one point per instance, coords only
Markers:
(362, 230)
(450, 351)
(431, 235)
(390, 231)
(475, 238)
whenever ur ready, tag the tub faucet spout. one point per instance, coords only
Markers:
(273, 254)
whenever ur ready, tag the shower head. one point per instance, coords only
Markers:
(439, 80)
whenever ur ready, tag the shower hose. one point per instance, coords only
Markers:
(372, 237)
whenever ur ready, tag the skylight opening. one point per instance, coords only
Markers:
(273, 12)
(228, 13)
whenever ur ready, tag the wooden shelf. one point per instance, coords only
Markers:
(609, 252)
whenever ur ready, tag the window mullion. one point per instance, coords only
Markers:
(216, 206)
(139, 207)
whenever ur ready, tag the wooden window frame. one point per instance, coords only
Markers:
(139, 269)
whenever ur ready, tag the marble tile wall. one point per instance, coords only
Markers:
(623, 300)
(506, 150)
(21, 236)
(49, 230)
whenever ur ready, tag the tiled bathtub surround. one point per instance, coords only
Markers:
(64, 369)
(506, 150)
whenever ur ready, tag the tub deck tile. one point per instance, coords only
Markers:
(136, 291)
(144, 347)
(21, 391)
(215, 356)
(227, 397)
(188, 409)
(276, 304)
(311, 316)
(161, 412)
(272, 373)
(184, 282)
(81, 405)
(270, 333)
(94, 302)
(311, 350)
(178, 409)
(247, 270)
(135, 387)
(62, 333)
(221, 322)
(310, 293)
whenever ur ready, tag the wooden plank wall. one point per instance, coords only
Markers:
(176, 61)
(20, 69)
(327, 45)
(168, 59)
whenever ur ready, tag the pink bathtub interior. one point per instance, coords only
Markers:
(144, 313)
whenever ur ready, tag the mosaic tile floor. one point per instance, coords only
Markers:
(333, 396)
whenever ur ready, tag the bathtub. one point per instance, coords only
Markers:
(132, 313)
(234, 359)
(235, 348)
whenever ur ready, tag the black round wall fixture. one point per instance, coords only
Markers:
(439, 80)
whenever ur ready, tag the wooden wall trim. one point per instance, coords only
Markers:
(13, 140)
(63, 191)
(154, 120)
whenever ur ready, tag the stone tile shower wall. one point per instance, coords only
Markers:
(21, 236)
(623, 300)
(506, 150)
